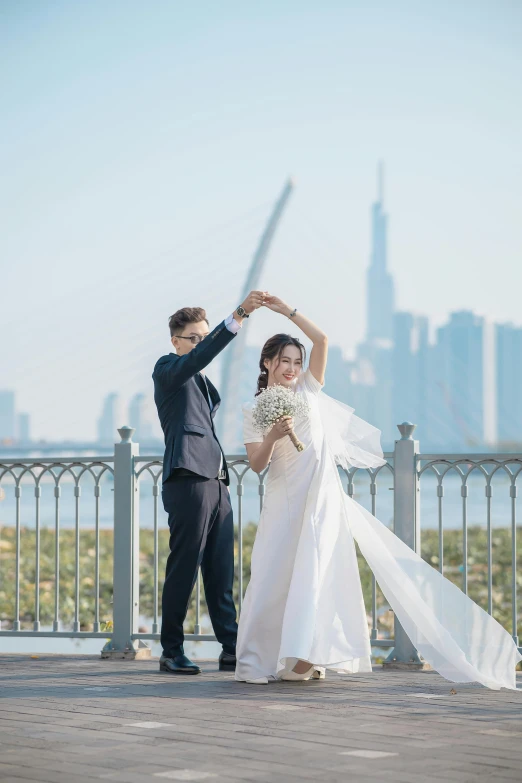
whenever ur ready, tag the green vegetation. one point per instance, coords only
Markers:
(477, 574)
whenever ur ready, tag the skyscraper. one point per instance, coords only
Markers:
(380, 292)
(410, 341)
(109, 420)
(509, 383)
(139, 417)
(374, 358)
(458, 371)
(405, 386)
(372, 371)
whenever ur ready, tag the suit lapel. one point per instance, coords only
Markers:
(200, 383)
(206, 389)
(214, 396)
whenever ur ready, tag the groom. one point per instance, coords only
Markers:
(195, 483)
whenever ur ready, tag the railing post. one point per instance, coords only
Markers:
(407, 528)
(126, 553)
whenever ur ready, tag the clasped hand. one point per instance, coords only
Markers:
(257, 299)
(254, 301)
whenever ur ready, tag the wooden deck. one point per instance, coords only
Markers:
(79, 719)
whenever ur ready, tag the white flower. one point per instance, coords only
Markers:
(274, 402)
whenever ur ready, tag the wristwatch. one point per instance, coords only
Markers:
(242, 313)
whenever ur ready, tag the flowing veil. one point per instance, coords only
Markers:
(452, 633)
(352, 441)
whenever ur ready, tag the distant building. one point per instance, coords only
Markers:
(380, 290)
(508, 340)
(24, 428)
(410, 346)
(7, 415)
(446, 389)
(459, 363)
(375, 373)
(139, 418)
(110, 420)
(372, 371)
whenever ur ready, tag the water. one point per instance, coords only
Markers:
(452, 503)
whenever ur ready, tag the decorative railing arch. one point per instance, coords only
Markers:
(56, 470)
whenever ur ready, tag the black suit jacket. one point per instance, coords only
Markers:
(190, 439)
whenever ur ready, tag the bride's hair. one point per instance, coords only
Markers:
(272, 349)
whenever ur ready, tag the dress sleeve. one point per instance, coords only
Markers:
(307, 382)
(250, 435)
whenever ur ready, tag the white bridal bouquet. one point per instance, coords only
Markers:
(273, 403)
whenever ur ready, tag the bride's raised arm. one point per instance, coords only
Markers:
(319, 354)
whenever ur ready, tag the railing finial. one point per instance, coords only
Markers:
(126, 434)
(406, 429)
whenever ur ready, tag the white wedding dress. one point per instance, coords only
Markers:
(304, 600)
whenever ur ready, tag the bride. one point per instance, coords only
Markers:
(303, 610)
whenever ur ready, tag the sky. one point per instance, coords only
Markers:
(143, 145)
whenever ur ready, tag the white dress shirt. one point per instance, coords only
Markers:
(232, 325)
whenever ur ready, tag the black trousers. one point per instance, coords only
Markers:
(201, 533)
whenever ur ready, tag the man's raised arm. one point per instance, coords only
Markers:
(175, 373)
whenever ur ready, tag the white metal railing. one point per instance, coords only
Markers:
(32, 478)
(109, 541)
(486, 466)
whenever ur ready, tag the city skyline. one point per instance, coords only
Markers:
(460, 388)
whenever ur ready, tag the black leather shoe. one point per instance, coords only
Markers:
(178, 665)
(227, 662)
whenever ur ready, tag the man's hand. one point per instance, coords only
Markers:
(254, 301)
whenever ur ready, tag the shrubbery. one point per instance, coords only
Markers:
(477, 574)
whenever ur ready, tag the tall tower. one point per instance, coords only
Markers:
(380, 283)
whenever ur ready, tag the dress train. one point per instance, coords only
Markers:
(451, 632)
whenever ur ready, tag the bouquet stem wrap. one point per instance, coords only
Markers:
(295, 440)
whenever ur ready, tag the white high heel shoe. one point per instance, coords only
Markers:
(319, 674)
(294, 676)
(258, 681)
